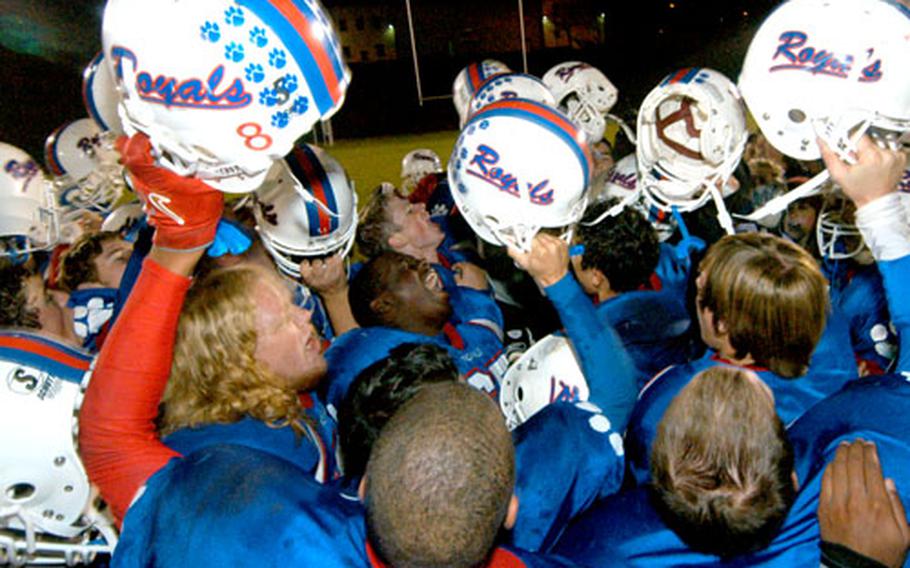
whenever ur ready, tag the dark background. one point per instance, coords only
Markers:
(46, 44)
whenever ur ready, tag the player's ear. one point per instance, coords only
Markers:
(511, 514)
(382, 306)
(397, 241)
(362, 489)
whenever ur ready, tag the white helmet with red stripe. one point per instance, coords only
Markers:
(99, 93)
(511, 86)
(584, 93)
(223, 88)
(29, 219)
(307, 208)
(517, 167)
(469, 80)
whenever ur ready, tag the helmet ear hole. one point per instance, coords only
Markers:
(20, 492)
(796, 115)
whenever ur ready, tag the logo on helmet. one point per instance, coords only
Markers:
(20, 170)
(563, 391)
(566, 73)
(505, 181)
(820, 61)
(190, 93)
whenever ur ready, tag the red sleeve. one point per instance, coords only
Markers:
(117, 439)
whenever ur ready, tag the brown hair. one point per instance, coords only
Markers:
(721, 464)
(771, 296)
(375, 227)
(215, 377)
(14, 308)
(77, 264)
(439, 479)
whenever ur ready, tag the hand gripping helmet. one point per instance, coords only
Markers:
(820, 68)
(29, 219)
(306, 208)
(835, 230)
(511, 86)
(47, 507)
(416, 165)
(519, 166)
(223, 87)
(99, 93)
(469, 80)
(691, 136)
(584, 93)
(86, 167)
(545, 373)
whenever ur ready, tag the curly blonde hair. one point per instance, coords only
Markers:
(215, 377)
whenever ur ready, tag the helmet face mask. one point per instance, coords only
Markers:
(259, 78)
(518, 167)
(29, 219)
(306, 209)
(584, 93)
(835, 230)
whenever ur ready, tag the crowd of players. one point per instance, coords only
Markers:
(578, 344)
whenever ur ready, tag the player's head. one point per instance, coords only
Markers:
(396, 290)
(390, 222)
(439, 480)
(722, 465)
(25, 301)
(379, 390)
(766, 298)
(621, 251)
(95, 259)
(242, 349)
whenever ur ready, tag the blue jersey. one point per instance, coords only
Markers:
(828, 372)
(859, 293)
(626, 529)
(230, 505)
(896, 276)
(567, 456)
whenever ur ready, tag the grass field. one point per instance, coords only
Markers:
(369, 161)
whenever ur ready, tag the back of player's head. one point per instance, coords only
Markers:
(625, 247)
(15, 310)
(215, 377)
(770, 295)
(379, 390)
(721, 464)
(77, 265)
(376, 226)
(440, 479)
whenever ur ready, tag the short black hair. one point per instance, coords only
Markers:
(625, 247)
(14, 308)
(379, 390)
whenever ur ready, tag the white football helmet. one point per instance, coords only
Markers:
(124, 219)
(584, 93)
(835, 230)
(691, 136)
(29, 219)
(48, 512)
(517, 167)
(88, 174)
(416, 165)
(99, 93)
(545, 373)
(306, 208)
(469, 80)
(822, 68)
(511, 86)
(231, 89)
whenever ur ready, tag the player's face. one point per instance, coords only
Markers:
(50, 314)
(419, 294)
(413, 222)
(286, 342)
(799, 222)
(111, 263)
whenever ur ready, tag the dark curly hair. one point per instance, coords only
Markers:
(14, 308)
(625, 247)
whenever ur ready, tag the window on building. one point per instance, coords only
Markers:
(364, 55)
(380, 50)
(358, 23)
(375, 23)
(343, 25)
(346, 50)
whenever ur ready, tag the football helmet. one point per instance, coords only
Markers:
(29, 219)
(87, 171)
(48, 512)
(231, 88)
(511, 86)
(416, 165)
(835, 230)
(829, 69)
(691, 136)
(125, 219)
(519, 166)
(100, 95)
(306, 208)
(545, 373)
(469, 80)
(584, 93)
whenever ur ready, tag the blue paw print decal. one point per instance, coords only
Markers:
(268, 97)
(277, 58)
(484, 124)
(210, 32)
(300, 106)
(463, 153)
(257, 37)
(233, 16)
(233, 52)
(289, 82)
(254, 73)
(462, 188)
(280, 119)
